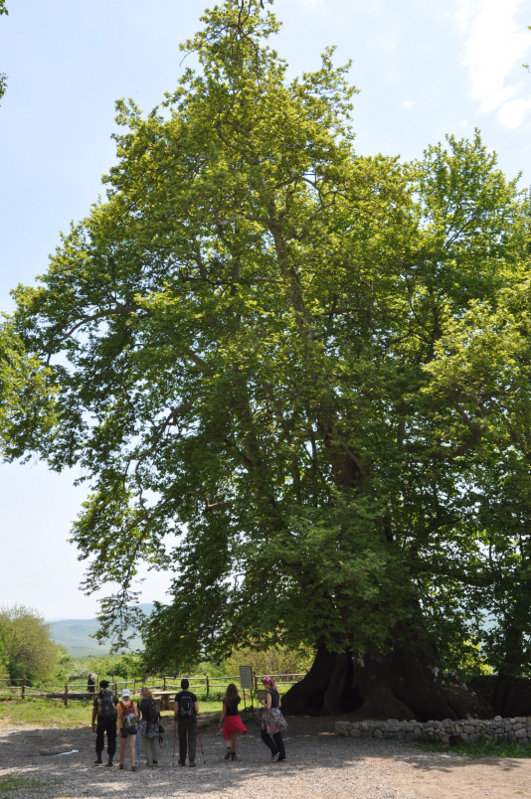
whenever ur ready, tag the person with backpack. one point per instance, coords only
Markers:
(104, 721)
(128, 725)
(272, 722)
(230, 721)
(149, 728)
(186, 710)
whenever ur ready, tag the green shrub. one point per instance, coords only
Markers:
(26, 649)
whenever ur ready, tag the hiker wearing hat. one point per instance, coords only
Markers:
(186, 710)
(127, 724)
(104, 721)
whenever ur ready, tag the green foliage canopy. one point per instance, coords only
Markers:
(274, 358)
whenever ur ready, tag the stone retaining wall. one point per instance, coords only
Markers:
(446, 731)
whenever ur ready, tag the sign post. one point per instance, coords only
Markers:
(246, 681)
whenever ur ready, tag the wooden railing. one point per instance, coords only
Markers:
(205, 686)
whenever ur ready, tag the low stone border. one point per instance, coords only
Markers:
(446, 731)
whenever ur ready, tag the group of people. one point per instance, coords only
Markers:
(127, 720)
(130, 722)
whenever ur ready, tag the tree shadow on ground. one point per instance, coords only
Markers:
(310, 744)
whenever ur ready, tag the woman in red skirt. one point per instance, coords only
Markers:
(230, 721)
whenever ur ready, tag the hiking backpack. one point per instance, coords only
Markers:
(128, 716)
(153, 714)
(186, 706)
(106, 706)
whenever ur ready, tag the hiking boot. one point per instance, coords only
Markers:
(192, 763)
(121, 766)
(233, 756)
(274, 756)
(133, 768)
(97, 762)
(228, 753)
(109, 762)
(182, 764)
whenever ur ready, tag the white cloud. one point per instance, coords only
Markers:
(409, 104)
(495, 46)
(513, 113)
(310, 5)
(385, 42)
(339, 6)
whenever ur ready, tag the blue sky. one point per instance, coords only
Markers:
(423, 69)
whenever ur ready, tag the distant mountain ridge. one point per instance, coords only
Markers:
(75, 635)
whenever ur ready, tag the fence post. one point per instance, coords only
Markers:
(164, 683)
(23, 688)
(207, 685)
(66, 694)
(253, 675)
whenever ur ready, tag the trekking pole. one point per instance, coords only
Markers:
(137, 749)
(174, 741)
(201, 745)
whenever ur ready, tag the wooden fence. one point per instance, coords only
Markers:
(205, 686)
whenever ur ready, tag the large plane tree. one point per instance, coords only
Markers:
(262, 351)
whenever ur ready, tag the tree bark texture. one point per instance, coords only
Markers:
(509, 696)
(398, 686)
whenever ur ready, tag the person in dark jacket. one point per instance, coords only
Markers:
(104, 721)
(186, 710)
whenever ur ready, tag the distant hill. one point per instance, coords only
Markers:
(75, 636)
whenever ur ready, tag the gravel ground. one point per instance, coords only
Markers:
(318, 766)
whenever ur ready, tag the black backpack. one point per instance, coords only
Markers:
(106, 706)
(186, 706)
(153, 714)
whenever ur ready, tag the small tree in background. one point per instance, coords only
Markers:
(25, 645)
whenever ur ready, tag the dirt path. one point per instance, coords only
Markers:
(319, 766)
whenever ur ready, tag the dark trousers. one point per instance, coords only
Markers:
(187, 743)
(274, 742)
(106, 726)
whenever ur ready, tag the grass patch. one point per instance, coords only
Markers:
(483, 747)
(51, 713)
(209, 706)
(11, 783)
(44, 713)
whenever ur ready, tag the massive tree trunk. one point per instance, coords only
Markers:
(515, 656)
(400, 686)
(327, 688)
(516, 699)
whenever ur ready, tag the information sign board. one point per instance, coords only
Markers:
(246, 677)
